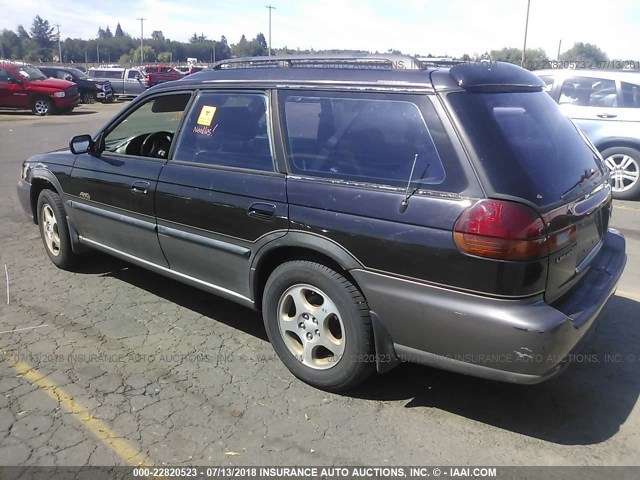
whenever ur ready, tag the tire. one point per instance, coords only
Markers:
(42, 106)
(87, 97)
(624, 167)
(54, 231)
(319, 325)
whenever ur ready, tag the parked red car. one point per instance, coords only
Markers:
(158, 73)
(24, 87)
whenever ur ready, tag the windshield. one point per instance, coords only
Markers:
(78, 73)
(525, 145)
(30, 73)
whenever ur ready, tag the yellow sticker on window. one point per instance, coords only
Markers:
(206, 115)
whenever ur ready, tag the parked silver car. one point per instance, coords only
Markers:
(125, 82)
(606, 106)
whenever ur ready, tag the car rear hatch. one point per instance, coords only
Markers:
(526, 152)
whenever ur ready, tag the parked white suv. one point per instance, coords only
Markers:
(606, 106)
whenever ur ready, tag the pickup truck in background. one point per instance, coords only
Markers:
(125, 82)
(90, 88)
(156, 74)
(24, 87)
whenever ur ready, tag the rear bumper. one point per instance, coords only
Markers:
(521, 341)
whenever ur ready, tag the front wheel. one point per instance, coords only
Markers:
(42, 106)
(54, 230)
(319, 325)
(624, 168)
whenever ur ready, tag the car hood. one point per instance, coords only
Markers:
(53, 83)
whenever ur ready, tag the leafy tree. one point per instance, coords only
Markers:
(149, 54)
(119, 32)
(157, 35)
(100, 35)
(195, 38)
(534, 57)
(107, 33)
(42, 36)
(11, 44)
(585, 53)
(22, 33)
(164, 57)
(262, 41)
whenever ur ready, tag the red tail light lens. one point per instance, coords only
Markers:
(501, 230)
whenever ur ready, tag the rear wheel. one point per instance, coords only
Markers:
(42, 106)
(319, 325)
(624, 167)
(54, 230)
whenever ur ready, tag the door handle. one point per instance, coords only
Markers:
(266, 211)
(606, 115)
(140, 187)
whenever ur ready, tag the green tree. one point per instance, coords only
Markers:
(11, 45)
(43, 37)
(107, 33)
(157, 35)
(149, 54)
(585, 53)
(165, 57)
(119, 32)
(534, 57)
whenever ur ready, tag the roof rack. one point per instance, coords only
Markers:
(364, 61)
(439, 62)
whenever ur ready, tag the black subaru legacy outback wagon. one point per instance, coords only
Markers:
(375, 211)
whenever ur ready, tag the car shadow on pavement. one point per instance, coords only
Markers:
(584, 405)
(204, 303)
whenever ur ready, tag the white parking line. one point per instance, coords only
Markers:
(22, 329)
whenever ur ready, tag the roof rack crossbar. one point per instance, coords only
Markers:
(371, 61)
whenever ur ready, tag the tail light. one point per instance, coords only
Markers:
(501, 230)
(508, 231)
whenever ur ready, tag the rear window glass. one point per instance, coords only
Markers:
(524, 144)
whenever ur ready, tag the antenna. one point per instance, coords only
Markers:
(405, 201)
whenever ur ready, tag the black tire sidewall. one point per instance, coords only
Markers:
(66, 257)
(356, 363)
(633, 192)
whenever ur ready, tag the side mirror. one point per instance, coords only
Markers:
(15, 81)
(81, 144)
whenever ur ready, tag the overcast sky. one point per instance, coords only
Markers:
(439, 27)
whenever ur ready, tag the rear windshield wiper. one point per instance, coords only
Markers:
(587, 175)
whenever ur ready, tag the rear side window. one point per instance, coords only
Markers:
(525, 145)
(630, 95)
(587, 91)
(373, 139)
(229, 130)
(106, 73)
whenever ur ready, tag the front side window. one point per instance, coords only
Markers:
(587, 91)
(228, 130)
(362, 139)
(149, 130)
(4, 76)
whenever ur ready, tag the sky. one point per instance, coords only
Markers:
(439, 27)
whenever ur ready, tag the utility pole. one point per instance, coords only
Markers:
(141, 39)
(270, 8)
(526, 27)
(559, 45)
(59, 46)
